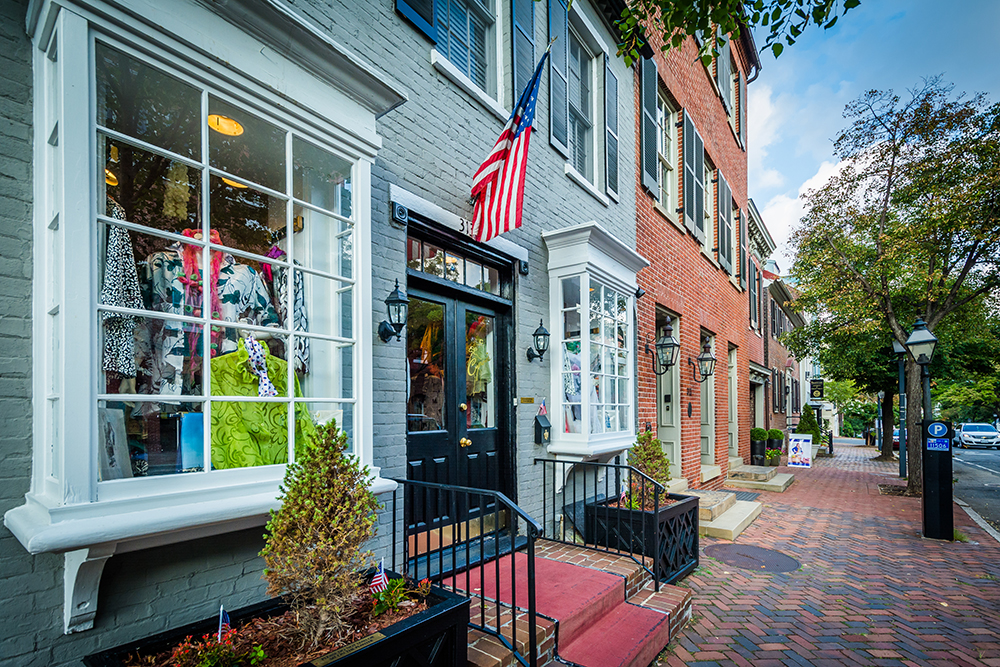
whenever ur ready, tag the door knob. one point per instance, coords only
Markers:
(463, 407)
(464, 442)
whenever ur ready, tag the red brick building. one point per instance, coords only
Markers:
(693, 224)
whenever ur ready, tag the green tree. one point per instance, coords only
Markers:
(972, 400)
(783, 21)
(910, 225)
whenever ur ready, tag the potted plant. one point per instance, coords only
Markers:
(639, 517)
(327, 613)
(775, 439)
(758, 442)
(773, 457)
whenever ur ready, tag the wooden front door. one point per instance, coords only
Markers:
(453, 388)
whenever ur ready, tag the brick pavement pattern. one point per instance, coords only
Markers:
(870, 590)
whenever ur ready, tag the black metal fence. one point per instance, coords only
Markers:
(479, 544)
(591, 504)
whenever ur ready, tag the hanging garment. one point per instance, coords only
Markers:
(121, 289)
(250, 433)
(275, 279)
(170, 352)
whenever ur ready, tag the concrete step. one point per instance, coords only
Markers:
(733, 522)
(753, 473)
(712, 504)
(678, 485)
(735, 463)
(777, 484)
(710, 471)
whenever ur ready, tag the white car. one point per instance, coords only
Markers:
(977, 435)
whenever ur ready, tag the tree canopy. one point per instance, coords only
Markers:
(910, 225)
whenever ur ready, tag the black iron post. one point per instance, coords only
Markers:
(902, 416)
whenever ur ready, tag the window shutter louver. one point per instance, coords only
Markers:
(689, 187)
(743, 249)
(700, 187)
(421, 14)
(611, 120)
(724, 75)
(725, 225)
(694, 181)
(523, 12)
(650, 161)
(558, 83)
(743, 110)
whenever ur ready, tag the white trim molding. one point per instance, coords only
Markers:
(444, 66)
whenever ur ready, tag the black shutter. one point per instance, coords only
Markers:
(724, 75)
(724, 209)
(774, 318)
(421, 14)
(650, 161)
(611, 121)
(743, 249)
(523, 47)
(694, 180)
(558, 74)
(753, 292)
(743, 109)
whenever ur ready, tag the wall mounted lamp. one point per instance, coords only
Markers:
(706, 363)
(667, 349)
(397, 304)
(541, 340)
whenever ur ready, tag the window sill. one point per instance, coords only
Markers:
(580, 180)
(587, 450)
(450, 72)
(672, 217)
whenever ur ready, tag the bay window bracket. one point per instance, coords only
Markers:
(81, 581)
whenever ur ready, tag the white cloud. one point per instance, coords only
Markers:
(764, 119)
(782, 212)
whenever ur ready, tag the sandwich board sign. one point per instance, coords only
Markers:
(800, 450)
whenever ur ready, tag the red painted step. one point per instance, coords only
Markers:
(596, 626)
(628, 636)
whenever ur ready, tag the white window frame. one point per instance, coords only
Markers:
(589, 251)
(580, 116)
(67, 509)
(666, 121)
(492, 97)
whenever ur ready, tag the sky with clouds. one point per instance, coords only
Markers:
(796, 104)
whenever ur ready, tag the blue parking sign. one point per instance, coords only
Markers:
(937, 430)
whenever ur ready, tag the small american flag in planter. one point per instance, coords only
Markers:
(379, 582)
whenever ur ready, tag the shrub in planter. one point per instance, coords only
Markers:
(648, 458)
(758, 442)
(773, 457)
(808, 425)
(775, 439)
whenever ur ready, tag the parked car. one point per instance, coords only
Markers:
(977, 435)
(895, 438)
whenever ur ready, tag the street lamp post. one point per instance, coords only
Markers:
(900, 354)
(936, 503)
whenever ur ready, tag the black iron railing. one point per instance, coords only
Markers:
(582, 501)
(479, 544)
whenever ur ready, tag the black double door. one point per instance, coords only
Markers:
(454, 412)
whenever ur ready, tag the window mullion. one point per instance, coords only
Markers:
(289, 323)
(206, 261)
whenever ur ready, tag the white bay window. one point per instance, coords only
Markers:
(592, 288)
(200, 268)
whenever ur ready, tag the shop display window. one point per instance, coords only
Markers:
(226, 278)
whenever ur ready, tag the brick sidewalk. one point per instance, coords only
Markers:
(870, 590)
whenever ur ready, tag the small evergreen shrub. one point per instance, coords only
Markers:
(808, 425)
(313, 553)
(775, 434)
(758, 434)
(648, 458)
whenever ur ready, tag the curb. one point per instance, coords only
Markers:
(980, 521)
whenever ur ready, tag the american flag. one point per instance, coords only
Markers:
(498, 185)
(379, 582)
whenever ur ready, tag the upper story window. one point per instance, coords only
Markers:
(708, 211)
(666, 151)
(464, 37)
(581, 106)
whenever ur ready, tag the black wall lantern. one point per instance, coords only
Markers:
(667, 349)
(706, 363)
(541, 340)
(397, 304)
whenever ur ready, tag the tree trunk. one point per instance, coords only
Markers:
(914, 428)
(887, 422)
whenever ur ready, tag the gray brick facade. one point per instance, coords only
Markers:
(431, 146)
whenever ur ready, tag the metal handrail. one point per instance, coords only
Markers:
(507, 516)
(646, 485)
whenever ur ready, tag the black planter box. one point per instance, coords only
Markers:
(775, 444)
(757, 448)
(436, 637)
(634, 531)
